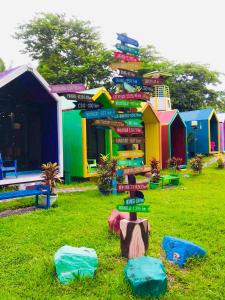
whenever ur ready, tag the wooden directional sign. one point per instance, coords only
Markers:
(129, 80)
(135, 170)
(81, 97)
(130, 162)
(152, 81)
(127, 73)
(129, 140)
(124, 116)
(98, 113)
(133, 208)
(127, 49)
(125, 57)
(129, 130)
(127, 40)
(130, 96)
(132, 187)
(133, 201)
(87, 105)
(127, 103)
(67, 88)
(130, 154)
(108, 123)
(134, 122)
(148, 89)
(126, 65)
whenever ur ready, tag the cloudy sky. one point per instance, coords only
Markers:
(182, 30)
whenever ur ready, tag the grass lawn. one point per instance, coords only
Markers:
(195, 210)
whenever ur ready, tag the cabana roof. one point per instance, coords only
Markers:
(166, 117)
(197, 115)
(149, 115)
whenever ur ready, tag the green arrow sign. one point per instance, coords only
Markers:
(133, 208)
(134, 122)
(132, 201)
(127, 103)
(129, 162)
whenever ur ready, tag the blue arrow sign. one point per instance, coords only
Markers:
(98, 113)
(124, 116)
(126, 40)
(129, 80)
(133, 201)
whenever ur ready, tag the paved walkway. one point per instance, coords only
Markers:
(78, 189)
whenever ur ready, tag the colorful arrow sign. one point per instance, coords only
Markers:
(130, 96)
(134, 123)
(133, 201)
(86, 105)
(130, 163)
(133, 208)
(152, 81)
(129, 130)
(127, 40)
(127, 49)
(126, 65)
(129, 80)
(108, 123)
(135, 170)
(124, 116)
(148, 89)
(81, 97)
(99, 113)
(131, 187)
(129, 140)
(127, 103)
(67, 88)
(130, 154)
(125, 57)
(127, 73)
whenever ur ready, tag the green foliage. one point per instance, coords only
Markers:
(2, 65)
(68, 51)
(196, 163)
(50, 175)
(220, 162)
(154, 170)
(174, 163)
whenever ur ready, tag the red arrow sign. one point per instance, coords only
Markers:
(152, 81)
(136, 170)
(125, 57)
(130, 96)
(129, 130)
(132, 187)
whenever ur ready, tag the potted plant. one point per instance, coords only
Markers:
(155, 173)
(50, 176)
(196, 163)
(174, 164)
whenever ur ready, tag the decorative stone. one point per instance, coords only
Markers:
(178, 250)
(146, 276)
(74, 263)
(114, 220)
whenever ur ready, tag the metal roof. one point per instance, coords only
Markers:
(197, 115)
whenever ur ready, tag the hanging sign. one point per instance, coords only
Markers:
(99, 113)
(124, 116)
(133, 208)
(133, 201)
(127, 49)
(130, 162)
(87, 105)
(126, 65)
(125, 57)
(81, 97)
(129, 130)
(127, 103)
(134, 122)
(127, 73)
(67, 88)
(127, 40)
(129, 80)
(129, 140)
(135, 170)
(108, 123)
(132, 187)
(152, 81)
(148, 89)
(130, 96)
(130, 154)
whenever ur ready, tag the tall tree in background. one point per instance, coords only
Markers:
(2, 65)
(68, 51)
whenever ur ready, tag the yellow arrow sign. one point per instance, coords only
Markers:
(126, 66)
(130, 154)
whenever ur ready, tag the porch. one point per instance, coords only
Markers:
(23, 177)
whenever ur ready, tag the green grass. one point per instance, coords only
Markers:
(194, 211)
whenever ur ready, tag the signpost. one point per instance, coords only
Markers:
(108, 123)
(67, 88)
(130, 154)
(129, 130)
(127, 103)
(86, 105)
(129, 80)
(126, 65)
(134, 123)
(127, 49)
(129, 140)
(125, 57)
(129, 162)
(98, 113)
(149, 89)
(133, 208)
(81, 97)
(131, 187)
(133, 201)
(130, 96)
(152, 81)
(135, 170)
(127, 40)
(127, 73)
(124, 116)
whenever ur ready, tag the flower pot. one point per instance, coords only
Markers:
(44, 200)
(154, 185)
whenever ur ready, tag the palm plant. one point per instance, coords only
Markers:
(50, 175)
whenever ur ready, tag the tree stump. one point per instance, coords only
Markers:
(133, 238)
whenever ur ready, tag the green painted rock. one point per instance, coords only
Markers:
(74, 263)
(147, 276)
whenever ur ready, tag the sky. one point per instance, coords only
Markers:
(181, 30)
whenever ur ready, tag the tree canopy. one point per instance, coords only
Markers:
(68, 51)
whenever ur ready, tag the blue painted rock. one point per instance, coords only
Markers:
(114, 220)
(146, 276)
(74, 263)
(178, 250)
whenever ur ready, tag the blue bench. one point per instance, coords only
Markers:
(36, 191)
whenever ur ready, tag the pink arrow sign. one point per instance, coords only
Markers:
(125, 57)
(131, 187)
(129, 130)
(67, 88)
(130, 96)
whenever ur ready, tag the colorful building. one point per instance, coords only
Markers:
(173, 136)
(202, 131)
(221, 118)
(30, 123)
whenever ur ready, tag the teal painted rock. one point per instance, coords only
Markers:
(146, 276)
(178, 250)
(74, 263)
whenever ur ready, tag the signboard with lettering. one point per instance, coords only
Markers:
(126, 65)
(67, 88)
(134, 122)
(125, 57)
(81, 97)
(132, 187)
(127, 73)
(127, 49)
(130, 162)
(133, 201)
(130, 96)
(129, 140)
(152, 81)
(87, 105)
(129, 80)
(124, 116)
(133, 208)
(130, 154)
(148, 89)
(135, 170)
(127, 103)
(108, 123)
(129, 130)
(99, 113)
(123, 38)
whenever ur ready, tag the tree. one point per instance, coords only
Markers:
(2, 65)
(68, 51)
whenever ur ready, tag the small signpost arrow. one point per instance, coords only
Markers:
(130, 96)
(129, 80)
(129, 130)
(125, 57)
(86, 105)
(126, 65)
(67, 88)
(152, 81)
(134, 123)
(129, 162)
(124, 116)
(127, 73)
(127, 40)
(131, 187)
(133, 208)
(127, 103)
(133, 201)
(108, 123)
(127, 49)
(98, 113)
(149, 89)
(81, 97)
(129, 140)
(130, 154)
(135, 170)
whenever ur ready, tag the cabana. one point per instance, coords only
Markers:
(30, 124)
(221, 118)
(82, 142)
(202, 131)
(173, 136)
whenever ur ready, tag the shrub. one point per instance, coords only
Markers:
(50, 175)
(155, 170)
(220, 163)
(196, 163)
(174, 163)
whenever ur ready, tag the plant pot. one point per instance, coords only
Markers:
(175, 181)
(154, 185)
(44, 200)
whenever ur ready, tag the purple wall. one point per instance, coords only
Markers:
(222, 136)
